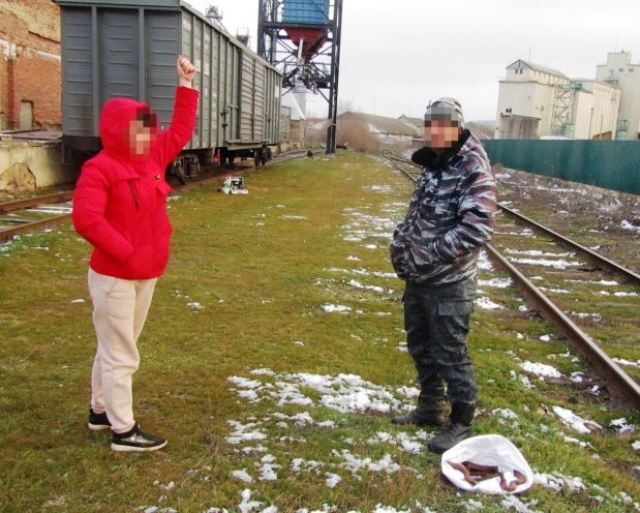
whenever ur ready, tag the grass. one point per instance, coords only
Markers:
(244, 290)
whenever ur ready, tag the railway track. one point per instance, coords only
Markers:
(32, 214)
(591, 300)
(600, 339)
(42, 212)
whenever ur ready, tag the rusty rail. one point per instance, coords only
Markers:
(8, 233)
(10, 206)
(597, 259)
(585, 345)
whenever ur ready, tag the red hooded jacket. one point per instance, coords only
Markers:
(120, 199)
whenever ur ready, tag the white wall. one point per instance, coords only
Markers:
(583, 108)
(25, 166)
(605, 105)
(627, 76)
(528, 99)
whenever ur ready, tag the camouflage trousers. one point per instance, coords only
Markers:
(436, 320)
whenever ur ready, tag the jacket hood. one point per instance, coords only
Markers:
(115, 118)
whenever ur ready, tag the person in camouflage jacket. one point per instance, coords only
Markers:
(435, 249)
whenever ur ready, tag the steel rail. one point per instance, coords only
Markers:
(596, 258)
(619, 380)
(9, 206)
(58, 197)
(8, 233)
(585, 345)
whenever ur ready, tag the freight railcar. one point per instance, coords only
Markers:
(128, 48)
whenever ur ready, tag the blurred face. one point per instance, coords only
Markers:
(440, 134)
(142, 132)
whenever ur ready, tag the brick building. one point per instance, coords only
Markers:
(30, 65)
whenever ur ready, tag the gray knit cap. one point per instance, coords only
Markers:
(448, 109)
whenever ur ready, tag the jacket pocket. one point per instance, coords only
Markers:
(453, 308)
(397, 253)
(162, 187)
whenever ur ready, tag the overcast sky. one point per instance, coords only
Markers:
(397, 55)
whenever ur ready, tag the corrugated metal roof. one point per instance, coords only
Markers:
(537, 67)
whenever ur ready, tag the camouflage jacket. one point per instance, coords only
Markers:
(451, 215)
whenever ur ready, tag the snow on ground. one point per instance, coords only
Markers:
(254, 439)
(486, 304)
(541, 370)
(621, 361)
(347, 394)
(499, 283)
(556, 264)
(329, 308)
(575, 422)
(626, 225)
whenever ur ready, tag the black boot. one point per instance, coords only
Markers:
(430, 412)
(459, 429)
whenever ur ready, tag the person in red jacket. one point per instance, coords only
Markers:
(119, 206)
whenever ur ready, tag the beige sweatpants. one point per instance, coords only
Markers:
(120, 310)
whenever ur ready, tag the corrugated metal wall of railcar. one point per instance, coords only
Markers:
(252, 99)
(273, 102)
(230, 62)
(260, 100)
(236, 87)
(219, 58)
(611, 165)
(116, 52)
(130, 52)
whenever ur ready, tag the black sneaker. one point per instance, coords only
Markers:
(98, 421)
(136, 440)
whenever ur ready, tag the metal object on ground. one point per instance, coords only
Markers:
(233, 185)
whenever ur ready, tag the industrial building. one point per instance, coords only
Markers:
(539, 102)
(620, 73)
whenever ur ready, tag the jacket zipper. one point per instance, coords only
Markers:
(134, 196)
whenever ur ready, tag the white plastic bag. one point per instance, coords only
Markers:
(488, 450)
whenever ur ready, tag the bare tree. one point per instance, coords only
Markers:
(354, 133)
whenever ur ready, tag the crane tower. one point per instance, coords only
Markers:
(302, 39)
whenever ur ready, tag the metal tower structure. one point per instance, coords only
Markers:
(302, 39)
(562, 114)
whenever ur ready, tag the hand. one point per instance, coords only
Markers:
(186, 71)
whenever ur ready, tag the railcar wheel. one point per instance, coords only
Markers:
(177, 170)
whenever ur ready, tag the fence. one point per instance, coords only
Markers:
(611, 165)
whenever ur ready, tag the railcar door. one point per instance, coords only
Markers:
(230, 63)
(252, 100)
